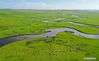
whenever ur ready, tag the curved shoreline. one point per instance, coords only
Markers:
(49, 33)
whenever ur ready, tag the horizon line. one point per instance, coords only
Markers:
(42, 9)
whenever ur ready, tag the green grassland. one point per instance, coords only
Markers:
(18, 22)
(64, 47)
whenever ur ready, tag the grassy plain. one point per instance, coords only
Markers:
(64, 47)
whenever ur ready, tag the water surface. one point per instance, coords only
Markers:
(50, 33)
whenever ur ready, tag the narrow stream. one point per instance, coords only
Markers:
(82, 24)
(50, 33)
(71, 22)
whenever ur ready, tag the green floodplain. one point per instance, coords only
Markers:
(65, 46)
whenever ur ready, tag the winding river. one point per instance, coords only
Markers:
(50, 33)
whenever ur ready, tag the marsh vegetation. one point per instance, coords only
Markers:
(56, 44)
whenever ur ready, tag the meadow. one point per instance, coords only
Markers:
(65, 46)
